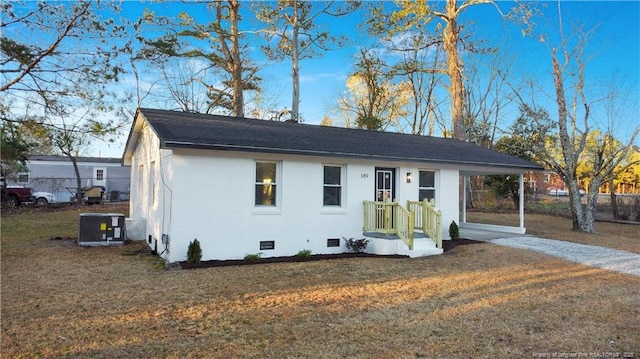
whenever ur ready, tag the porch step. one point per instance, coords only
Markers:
(387, 245)
(423, 243)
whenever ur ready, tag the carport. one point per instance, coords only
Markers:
(492, 228)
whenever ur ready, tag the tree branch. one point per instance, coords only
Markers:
(49, 50)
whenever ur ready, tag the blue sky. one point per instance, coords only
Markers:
(613, 51)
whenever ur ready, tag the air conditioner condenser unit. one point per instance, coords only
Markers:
(101, 229)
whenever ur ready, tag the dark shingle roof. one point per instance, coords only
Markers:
(190, 130)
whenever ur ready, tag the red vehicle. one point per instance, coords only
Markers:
(15, 196)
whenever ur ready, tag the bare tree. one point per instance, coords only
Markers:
(59, 61)
(70, 133)
(419, 14)
(292, 26)
(617, 106)
(181, 87)
(226, 54)
(57, 56)
(562, 143)
(486, 97)
(421, 54)
(75, 52)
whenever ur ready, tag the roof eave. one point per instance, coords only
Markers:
(226, 147)
(132, 140)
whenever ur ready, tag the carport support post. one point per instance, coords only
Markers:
(521, 183)
(465, 183)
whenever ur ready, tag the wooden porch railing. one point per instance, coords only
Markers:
(405, 220)
(427, 219)
(389, 218)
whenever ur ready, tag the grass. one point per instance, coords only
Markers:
(64, 301)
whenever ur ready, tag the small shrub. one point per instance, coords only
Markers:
(194, 252)
(454, 231)
(253, 257)
(356, 245)
(305, 253)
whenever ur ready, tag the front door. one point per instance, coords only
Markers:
(385, 184)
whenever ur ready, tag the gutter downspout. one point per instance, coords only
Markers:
(465, 182)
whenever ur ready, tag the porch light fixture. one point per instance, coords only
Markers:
(408, 177)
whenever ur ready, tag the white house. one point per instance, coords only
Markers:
(245, 186)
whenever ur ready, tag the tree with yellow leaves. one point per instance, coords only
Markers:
(411, 14)
(372, 100)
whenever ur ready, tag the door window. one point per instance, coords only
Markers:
(384, 185)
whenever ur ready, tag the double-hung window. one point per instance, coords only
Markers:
(266, 184)
(152, 182)
(332, 186)
(427, 185)
(23, 177)
(142, 185)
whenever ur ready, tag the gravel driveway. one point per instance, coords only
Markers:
(595, 256)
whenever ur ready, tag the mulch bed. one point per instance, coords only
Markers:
(447, 246)
(451, 244)
(289, 259)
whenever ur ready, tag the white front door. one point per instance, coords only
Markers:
(385, 186)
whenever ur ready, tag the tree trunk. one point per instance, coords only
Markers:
(470, 185)
(236, 63)
(613, 200)
(74, 162)
(515, 197)
(295, 75)
(580, 221)
(456, 87)
(589, 212)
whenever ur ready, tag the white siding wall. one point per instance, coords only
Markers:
(215, 204)
(448, 197)
(150, 164)
(213, 201)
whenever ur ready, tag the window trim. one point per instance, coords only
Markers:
(341, 186)
(142, 184)
(435, 181)
(264, 208)
(267, 245)
(94, 177)
(23, 174)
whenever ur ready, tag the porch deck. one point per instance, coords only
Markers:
(415, 231)
(416, 235)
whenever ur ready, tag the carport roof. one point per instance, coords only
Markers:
(215, 132)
